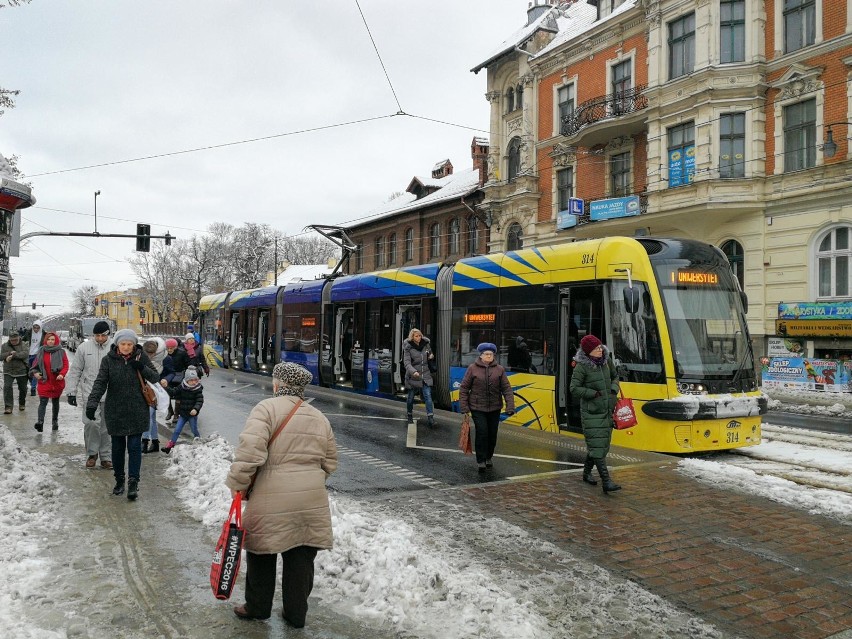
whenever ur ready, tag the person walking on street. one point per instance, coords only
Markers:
(36, 341)
(189, 398)
(482, 392)
(81, 378)
(288, 512)
(49, 369)
(416, 353)
(125, 407)
(155, 349)
(15, 356)
(595, 382)
(195, 353)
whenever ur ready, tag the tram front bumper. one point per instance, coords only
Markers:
(693, 407)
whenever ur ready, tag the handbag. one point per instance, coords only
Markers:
(226, 557)
(624, 414)
(148, 393)
(162, 397)
(464, 438)
(269, 443)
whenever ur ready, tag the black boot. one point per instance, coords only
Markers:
(587, 471)
(609, 486)
(145, 445)
(119, 486)
(132, 488)
(430, 421)
(155, 446)
(39, 426)
(55, 425)
(410, 418)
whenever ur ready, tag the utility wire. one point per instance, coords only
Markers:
(379, 55)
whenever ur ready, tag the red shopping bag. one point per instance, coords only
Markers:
(624, 414)
(226, 558)
(464, 437)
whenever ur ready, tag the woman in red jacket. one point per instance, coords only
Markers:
(49, 369)
(484, 388)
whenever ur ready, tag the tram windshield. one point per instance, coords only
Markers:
(705, 319)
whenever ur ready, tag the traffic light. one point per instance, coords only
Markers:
(168, 239)
(34, 305)
(143, 237)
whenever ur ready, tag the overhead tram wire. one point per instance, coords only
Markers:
(382, 62)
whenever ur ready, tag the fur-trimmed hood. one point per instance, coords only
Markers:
(582, 358)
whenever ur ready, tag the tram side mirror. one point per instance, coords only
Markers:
(744, 300)
(631, 299)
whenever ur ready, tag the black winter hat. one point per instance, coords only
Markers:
(100, 328)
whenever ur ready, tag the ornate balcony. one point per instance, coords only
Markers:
(607, 107)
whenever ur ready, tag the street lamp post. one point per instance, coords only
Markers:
(829, 148)
(97, 193)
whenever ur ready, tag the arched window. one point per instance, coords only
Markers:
(380, 252)
(514, 153)
(409, 244)
(510, 100)
(435, 240)
(733, 250)
(519, 100)
(834, 263)
(392, 249)
(472, 235)
(514, 237)
(454, 237)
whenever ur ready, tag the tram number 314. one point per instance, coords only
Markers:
(733, 438)
(587, 258)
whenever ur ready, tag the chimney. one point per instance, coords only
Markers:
(537, 8)
(442, 169)
(479, 155)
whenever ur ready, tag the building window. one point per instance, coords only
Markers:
(519, 97)
(359, 258)
(799, 24)
(409, 245)
(619, 168)
(834, 263)
(565, 98)
(514, 237)
(435, 240)
(682, 46)
(472, 235)
(622, 83)
(392, 249)
(800, 135)
(514, 154)
(510, 100)
(732, 145)
(733, 250)
(454, 237)
(732, 25)
(564, 187)
(681, 151)
(380, 252)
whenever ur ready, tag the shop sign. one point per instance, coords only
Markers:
(785, 347)
(614, 208)
(797, 373)
(814, 328)
(815, 310)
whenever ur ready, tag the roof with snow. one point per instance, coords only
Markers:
(449, 188)
(518, 38)
(301, 272)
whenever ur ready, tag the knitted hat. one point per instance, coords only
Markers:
(589, 343)
(292, 379)
(100, 328)
(171, 343)
(190, 373)
(14, 334)
(487, 346)
(188, 336)
(126, 335)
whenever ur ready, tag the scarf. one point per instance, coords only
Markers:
(56, 352)
(598, 361)
(190, 350)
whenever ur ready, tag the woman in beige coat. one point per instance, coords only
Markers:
(288, 512)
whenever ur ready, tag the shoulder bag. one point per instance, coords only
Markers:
(269, 443)
(148, 393)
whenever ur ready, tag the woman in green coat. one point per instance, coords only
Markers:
(595, 382)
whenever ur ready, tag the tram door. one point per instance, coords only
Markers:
(581, 311)
(341, 354)
(407, 317)
(265, 345)
(235, 347)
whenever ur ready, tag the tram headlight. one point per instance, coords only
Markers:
(706, 434)
(687, 388)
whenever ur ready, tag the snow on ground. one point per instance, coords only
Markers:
(806, 402)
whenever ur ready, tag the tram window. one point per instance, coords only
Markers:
(308, 341)
(291, 333)
(635, 343)
(522, 339)
(473, 326)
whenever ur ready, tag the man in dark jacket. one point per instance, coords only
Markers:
(15, 356)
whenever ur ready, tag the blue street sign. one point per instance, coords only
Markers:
(575, 205)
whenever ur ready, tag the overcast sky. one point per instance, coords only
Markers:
(106, 81)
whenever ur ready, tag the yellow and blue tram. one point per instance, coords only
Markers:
(669, 310)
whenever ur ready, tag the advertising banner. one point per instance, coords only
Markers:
(815, 310)
(798, 373)
(785, 347)
(613, 208)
